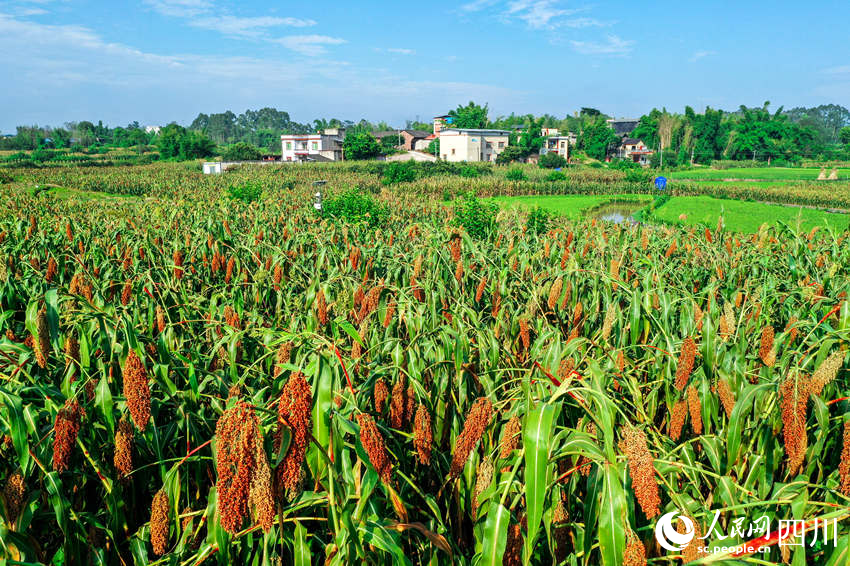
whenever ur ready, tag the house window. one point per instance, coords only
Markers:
(501, 145)
(489, 145)
(453, 151)
(315, 145)
(562, 144)
(288, 145)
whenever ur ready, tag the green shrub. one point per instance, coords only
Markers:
(516, 174)
(246, 192)
(356, 205)
(556, 176)
(477, 217)
(5, 178)
(469, 172)
(638, 176)
(538, 221)
(551, 160)
(399, 172)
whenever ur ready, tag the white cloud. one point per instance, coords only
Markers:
(614, 45)
(841, 70)
(235, 26)
(477, 5)
(401, 51)
(537, 14)
(180, 8)
(701, 55)
(205, 15)
(310, 45)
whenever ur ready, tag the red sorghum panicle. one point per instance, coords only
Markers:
(282, 355)
(123, 458)
(65, 430)
(321, 307)
(373, 444)
(844, 466)
(766, 351)
(160, 319)
(242, 467)
(826, 372)
(159, 523)
(686, 363)
(137, 391)
(14, 492)
(398, 403)
(677, 419)
(497, 302)
(127, 293)
(608, 323)
(294, 412)
(695, 408)
(228, 273)
(52, 268)
(178, 264)
(794, 397)
(380, 395)
(423, 436)
(455, 247)
(477, 421)
(511, 437)
(692, 551)
(513, 546)
(479, 291)
(524, 334)
(41, 340)
(727, 399)
(72, 350)
(635, 553)
(483, 478)
(641, 470)
(390, 313)
(555, 293)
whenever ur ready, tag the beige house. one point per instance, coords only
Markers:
(472, 145)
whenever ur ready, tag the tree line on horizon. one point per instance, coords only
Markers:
(821, 132)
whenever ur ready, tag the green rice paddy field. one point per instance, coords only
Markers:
(757, 173)
(738, 216)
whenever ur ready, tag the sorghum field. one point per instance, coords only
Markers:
(191, 374)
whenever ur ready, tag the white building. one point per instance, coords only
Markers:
(472, 144)
(557, 144)
(324, 146)
(152, 129)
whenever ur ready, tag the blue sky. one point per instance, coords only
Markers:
(158, 61)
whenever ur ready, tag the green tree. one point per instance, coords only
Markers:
(469, 116)
(241, 151)
(596, 138)
(176, 142)
(844, 135)
(361, 146)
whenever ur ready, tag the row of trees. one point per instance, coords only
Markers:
(77, 135)
(749, 133)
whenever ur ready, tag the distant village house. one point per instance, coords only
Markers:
(324, 146)
(409, 140)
